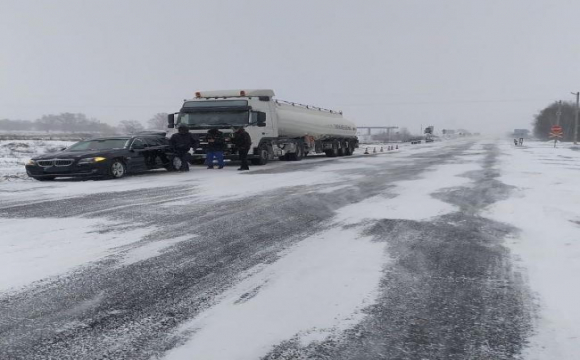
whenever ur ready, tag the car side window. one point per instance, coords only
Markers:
(138, 144)
(153, 141)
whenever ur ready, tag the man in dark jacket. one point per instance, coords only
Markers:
(243, 143)
(215, 148)
(181, 142)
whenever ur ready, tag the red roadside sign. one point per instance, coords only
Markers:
(556, 133)
(556, 129)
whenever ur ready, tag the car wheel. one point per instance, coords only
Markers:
(117, 169)
(174, 164)
(44, 178)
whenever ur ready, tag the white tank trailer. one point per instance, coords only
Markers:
(279, 129)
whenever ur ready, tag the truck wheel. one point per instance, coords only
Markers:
(300, 153)
(263, 157)
(297, 156)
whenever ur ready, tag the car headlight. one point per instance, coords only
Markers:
(92, 160)
(31, 162)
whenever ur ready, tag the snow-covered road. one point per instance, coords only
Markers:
(424, 253)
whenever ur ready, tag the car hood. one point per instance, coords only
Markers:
(74, 154)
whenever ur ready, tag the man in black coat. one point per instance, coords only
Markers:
(215, 148)
(181, 142)
(243, 143)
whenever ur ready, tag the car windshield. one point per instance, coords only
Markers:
(100, 144)
(214, 119)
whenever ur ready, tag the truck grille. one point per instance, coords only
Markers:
(55, 162)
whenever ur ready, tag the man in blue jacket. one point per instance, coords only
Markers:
(215, 148)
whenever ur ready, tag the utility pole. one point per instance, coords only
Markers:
(558, 113)
(576, 117)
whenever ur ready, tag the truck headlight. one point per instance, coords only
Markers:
(92, 160)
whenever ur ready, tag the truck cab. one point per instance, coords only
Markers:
(225, 111)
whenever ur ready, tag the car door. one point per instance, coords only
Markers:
(153, 156)
(136, 161)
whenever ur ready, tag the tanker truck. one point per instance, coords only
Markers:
(279, 129)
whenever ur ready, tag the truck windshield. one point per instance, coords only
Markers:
(213, 119)
(100, 144)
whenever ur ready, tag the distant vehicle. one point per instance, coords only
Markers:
(111, 157)
(521, 133)
(429, 134)
(279, 129)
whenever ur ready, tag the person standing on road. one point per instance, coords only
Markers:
(181, 142)
(215, 148)
(243, 143)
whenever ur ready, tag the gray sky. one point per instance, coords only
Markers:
(485, 65)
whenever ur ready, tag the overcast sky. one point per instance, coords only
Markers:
(484, 65)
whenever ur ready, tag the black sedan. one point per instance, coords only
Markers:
(112, 157)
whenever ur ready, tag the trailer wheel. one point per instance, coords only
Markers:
(334, 151)
(347, 150)
(341, 150)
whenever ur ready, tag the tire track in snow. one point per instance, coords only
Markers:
(450, 293)
(125, 312)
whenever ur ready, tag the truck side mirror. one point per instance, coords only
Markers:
(261, 119)
(171, 121)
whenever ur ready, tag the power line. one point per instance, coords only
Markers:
(450, 102)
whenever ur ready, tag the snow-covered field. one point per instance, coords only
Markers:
(545, 207)
(15, 153)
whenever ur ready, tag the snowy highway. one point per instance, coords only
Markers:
(429, 252)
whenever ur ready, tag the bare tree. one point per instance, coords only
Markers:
(544, 120)
(130, 126)
(47, 123)
(158, 122)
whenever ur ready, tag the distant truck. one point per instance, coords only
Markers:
(279, 129)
